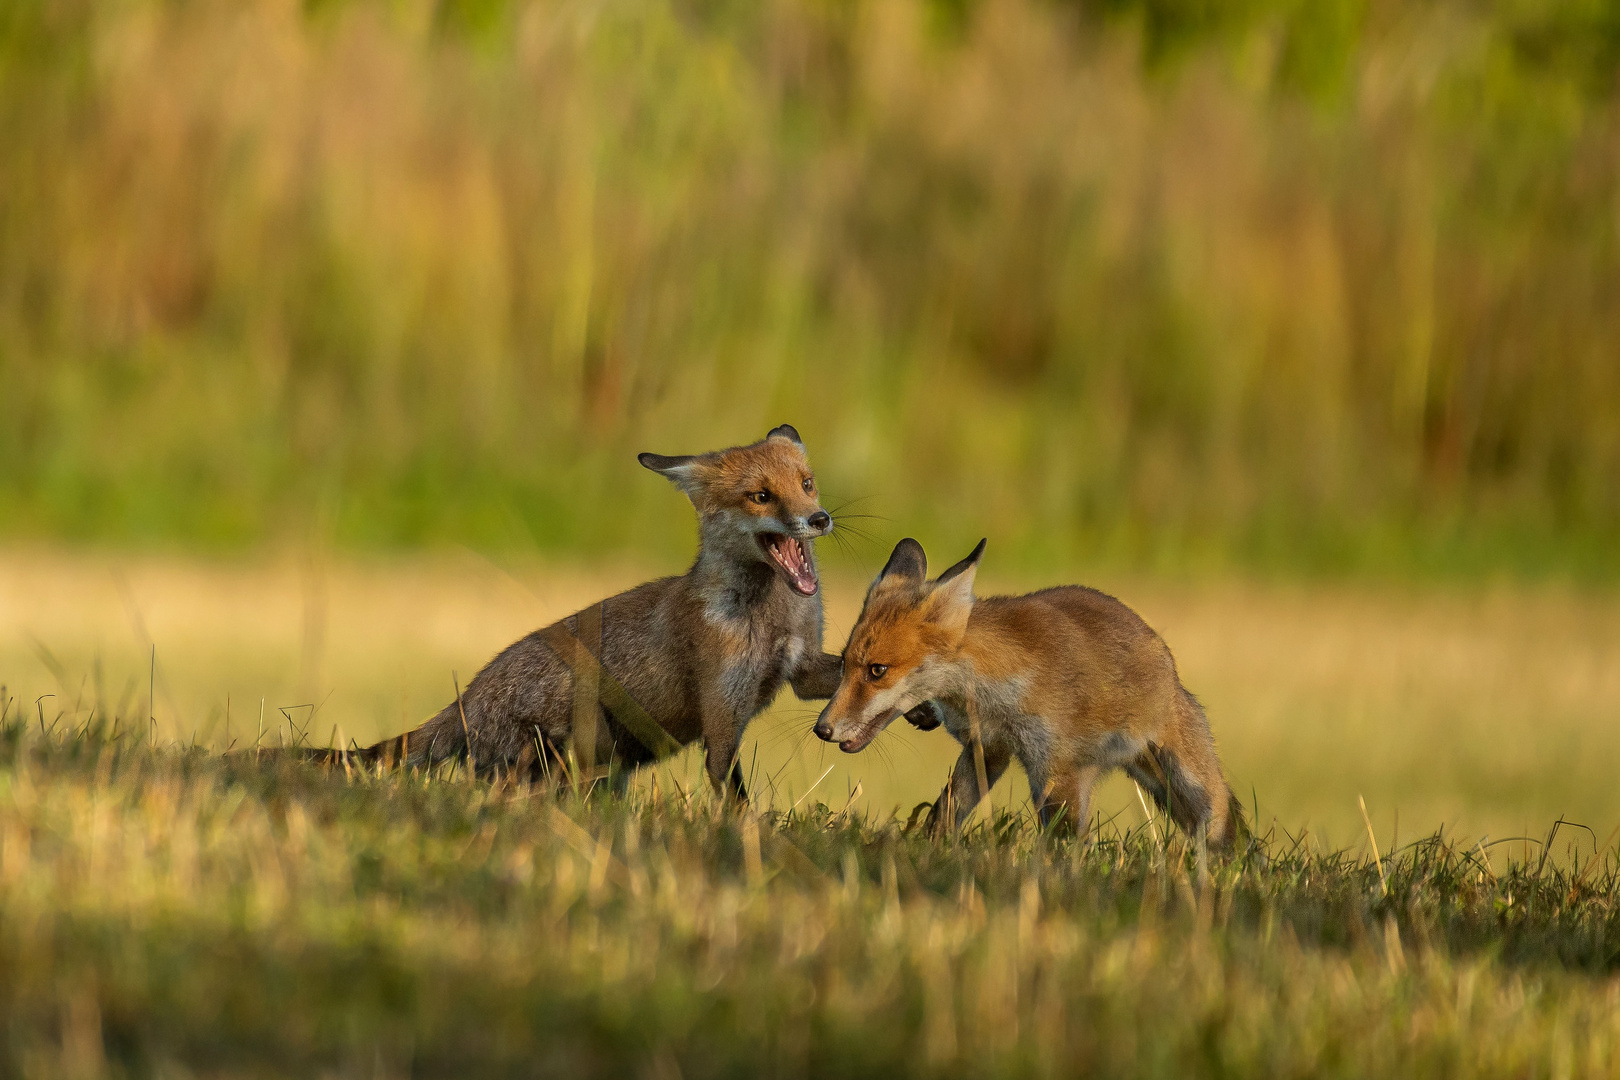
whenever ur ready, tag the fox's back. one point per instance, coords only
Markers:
(648, 638)
(1076, 651)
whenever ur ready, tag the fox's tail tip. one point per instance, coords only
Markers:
(314, 755)
(1239, 830)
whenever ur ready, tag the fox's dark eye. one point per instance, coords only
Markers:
(809, 485)
(876, 671)
(760, 497)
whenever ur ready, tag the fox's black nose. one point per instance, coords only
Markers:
(820, 521)
(823, 730)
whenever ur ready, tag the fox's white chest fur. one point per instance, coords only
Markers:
(749, 682)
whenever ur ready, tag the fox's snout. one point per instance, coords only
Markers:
(851, 730)
(804, 522)
(823, 728)
(831, 723)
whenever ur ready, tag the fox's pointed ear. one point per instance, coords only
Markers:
(665, 464)
(969, 563)
(785, 431)
(907, 563)
(950, 598)
(677, 469)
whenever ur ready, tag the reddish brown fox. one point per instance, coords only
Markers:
(671, 661)
(1069, 681)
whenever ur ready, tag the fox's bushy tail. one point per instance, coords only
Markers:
(440, 739)
(1237, 827)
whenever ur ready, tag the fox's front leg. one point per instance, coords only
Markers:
(961, 795)
(721, 735)
(818, 676)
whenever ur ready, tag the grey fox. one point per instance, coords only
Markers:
(673, 660)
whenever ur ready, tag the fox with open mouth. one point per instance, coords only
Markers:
(671, 661)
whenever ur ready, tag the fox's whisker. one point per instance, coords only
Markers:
(857, 532)
(845, 545)
(798, 744)
(900, 742)
(847, 534)
(856, 501)
(793, 734)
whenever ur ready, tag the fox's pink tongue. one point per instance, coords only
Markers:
(789, 554)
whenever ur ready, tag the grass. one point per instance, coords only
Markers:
(165, 911)
(1323, 286)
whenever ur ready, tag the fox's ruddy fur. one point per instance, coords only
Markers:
(1069, 681)
(701, 654)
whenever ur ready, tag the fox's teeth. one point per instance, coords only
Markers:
(789, 553)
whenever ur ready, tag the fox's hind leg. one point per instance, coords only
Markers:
(1184, 795)
(1183, 774)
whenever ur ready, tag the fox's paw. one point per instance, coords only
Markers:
(925, 717)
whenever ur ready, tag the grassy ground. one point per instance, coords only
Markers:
(166, 911)
(171, 913)
(1487, 711)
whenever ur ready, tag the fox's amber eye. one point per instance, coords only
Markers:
(809, 485)
(760, 497)
(876, 671)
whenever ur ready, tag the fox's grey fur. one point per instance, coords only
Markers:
(702, 653)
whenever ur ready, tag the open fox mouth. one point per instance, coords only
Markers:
(790, 555)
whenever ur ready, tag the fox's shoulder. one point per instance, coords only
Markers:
(652, 619)
(656, 591)
(684, 601)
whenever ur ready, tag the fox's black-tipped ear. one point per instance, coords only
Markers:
(662, 463)
(907, 561)
(677, 468)
(949, 601)
(785, 431)
(966, 564)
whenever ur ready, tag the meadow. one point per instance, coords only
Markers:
(170, 912)
(330, 330)
(177, 898)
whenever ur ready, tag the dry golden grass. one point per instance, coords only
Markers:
(172, 913)
(1489, 710)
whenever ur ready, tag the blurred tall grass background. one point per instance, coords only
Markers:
(1324, 284)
